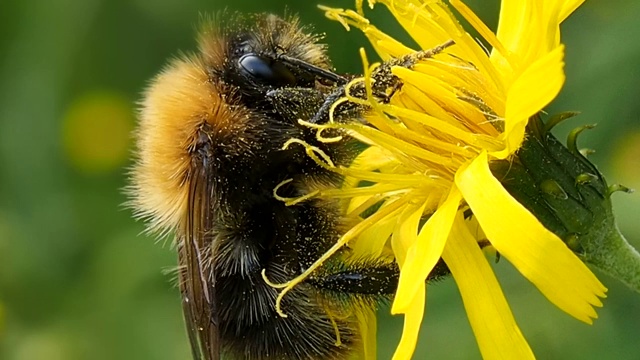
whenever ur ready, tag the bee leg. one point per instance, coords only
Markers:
(384, 86)
(296, 103)
(370, 278)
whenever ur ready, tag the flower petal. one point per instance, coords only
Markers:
(367, 323)
(491, 319)
(424, 253)
(568, 7)
(411, 329)
(431, 23)
(531, 92)
(537, 253)
(528, 28)
(516, 25)
(405, 232)
(370, 243)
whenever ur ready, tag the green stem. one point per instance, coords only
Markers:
(616, 257)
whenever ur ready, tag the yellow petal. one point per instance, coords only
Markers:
(568, 7)
(410, 330)
(536, 252)
(367, 323)
(501, 57)
(372, 240)
(431, 23)
(513, 22)
(528, 29)
(531, 92)
(491, 319)
(385, 45)
(424, 253)
(565, 9)
(372, 158)
(405, 231)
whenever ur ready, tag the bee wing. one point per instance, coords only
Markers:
(197, 281)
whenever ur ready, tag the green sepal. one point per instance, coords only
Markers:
(571, 198)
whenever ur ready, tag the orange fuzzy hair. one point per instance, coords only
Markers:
(179, 102)
(186, 97)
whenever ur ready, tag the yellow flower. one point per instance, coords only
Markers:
(427, 166)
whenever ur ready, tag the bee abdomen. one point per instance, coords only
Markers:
(251, 328)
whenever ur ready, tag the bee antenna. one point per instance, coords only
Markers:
(317, 71)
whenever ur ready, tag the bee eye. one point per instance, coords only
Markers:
(266, 70)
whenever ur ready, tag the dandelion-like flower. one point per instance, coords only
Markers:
(428, 168)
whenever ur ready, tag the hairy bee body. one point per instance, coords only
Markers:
(212, 128)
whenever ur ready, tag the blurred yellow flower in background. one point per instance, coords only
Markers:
(96, 131)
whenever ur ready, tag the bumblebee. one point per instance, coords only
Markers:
(209, 156)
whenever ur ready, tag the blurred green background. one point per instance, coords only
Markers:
(79, 281)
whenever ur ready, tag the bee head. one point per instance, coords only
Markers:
(263, 53)
(259, 69)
